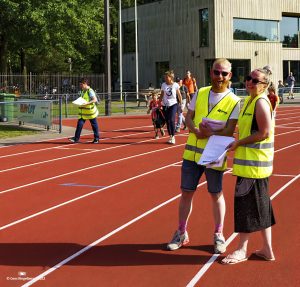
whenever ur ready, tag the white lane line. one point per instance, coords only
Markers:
(90, 167)
(52, 269)
(209, 263)
(281, 127)
(56, 147)
(288, 124)
(63, 262)
(283, 175)
(284, 119)
(84, 196)
(278, 150)
(286, 133)
(75, 155)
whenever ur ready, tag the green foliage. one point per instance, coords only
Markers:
(50, 32)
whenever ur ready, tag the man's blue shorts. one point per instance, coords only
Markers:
(191, 173)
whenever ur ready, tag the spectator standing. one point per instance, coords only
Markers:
(190, 82)
(253, 164)
(291, 82)
(170, 98)
(280, 90)
(87, 111)
(216, 102)
(184, 103)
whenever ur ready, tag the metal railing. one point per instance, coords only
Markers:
(48, 84)
(283, 94)
(55, 107)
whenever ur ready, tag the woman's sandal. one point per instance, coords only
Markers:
(259, 254)
(234, 258)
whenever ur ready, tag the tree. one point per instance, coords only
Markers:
(44, 34)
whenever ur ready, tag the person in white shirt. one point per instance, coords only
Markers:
(215, 102)
(170, 97)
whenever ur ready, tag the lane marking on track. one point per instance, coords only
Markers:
(288, 124)
(278, 150)
(199, 274)
(284, 127)
(209, 263)
(286, 133)
(68, 143)
(76, 155)
(88, 168)
(81, 251)
(74, 184)
(283, 175)
(286, 119)
(85, 195)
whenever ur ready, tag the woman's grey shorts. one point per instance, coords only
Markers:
(191, 173)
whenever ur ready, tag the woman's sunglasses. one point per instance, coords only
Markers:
(254, 81)
(218, 73)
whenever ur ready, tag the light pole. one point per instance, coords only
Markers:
(107, 58)
(136, 50)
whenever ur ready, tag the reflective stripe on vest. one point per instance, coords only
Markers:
(89, 111)
(194, 148)
(253, 160)
(259, 145)
(221, 111)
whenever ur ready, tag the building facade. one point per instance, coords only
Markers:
(190, 34)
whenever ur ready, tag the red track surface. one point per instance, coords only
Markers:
(117, 202)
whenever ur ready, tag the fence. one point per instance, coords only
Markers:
(59, 106)
(283, 94)
(47, 111)
(52, 84)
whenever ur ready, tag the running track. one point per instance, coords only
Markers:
(100, 215)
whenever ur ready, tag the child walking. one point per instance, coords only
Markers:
(157, 116)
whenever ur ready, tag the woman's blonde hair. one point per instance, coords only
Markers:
(170, 73)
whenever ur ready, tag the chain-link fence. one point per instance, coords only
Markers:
(48, 84)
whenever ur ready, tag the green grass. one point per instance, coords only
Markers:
(8, 131)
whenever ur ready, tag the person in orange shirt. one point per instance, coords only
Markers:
(190, 82)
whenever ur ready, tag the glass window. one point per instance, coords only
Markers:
(289, 31)
(259, 30)
(129, 37)
(203, 27)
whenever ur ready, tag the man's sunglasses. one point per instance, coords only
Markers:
(254, 81)
(218, 73)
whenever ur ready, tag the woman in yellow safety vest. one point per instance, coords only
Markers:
(253, 164)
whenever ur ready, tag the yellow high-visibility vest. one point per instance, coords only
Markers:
(253, 160)
(221, 111)
(89, 111)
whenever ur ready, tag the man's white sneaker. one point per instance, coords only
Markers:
(219, 243)
(178, 240)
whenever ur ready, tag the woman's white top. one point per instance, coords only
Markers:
(170, 95)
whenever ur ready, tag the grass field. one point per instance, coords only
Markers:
(9, 131)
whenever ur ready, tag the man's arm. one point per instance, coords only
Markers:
(190, 124)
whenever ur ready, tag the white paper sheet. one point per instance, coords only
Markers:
(215, 125)
(215, 151)
(80, 101)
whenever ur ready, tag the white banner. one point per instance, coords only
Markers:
(37, 112)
